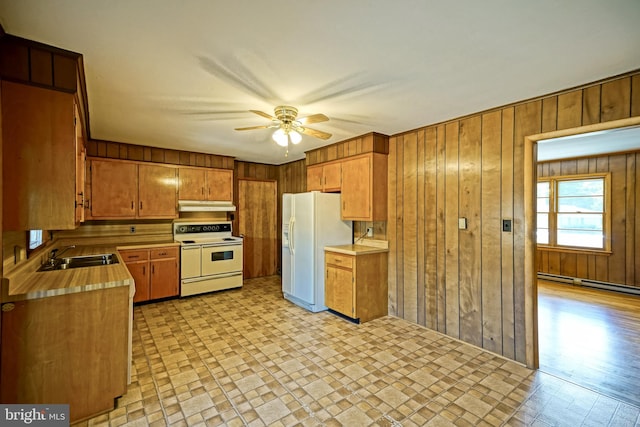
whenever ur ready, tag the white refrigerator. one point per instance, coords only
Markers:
(310, 221)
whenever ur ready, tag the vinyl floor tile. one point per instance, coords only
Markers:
(247, 357)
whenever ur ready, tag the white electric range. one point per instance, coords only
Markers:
(210, 258)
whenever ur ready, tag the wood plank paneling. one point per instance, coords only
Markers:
(410, 232)
(440, 247)
(569, 110)
(470, 245)
(491, 279)
(452, 260)
(429, 228)
(394, 221)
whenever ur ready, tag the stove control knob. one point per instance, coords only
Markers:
(182, 229)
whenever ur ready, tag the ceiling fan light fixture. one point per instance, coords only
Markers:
(280, 137)
(295, 137)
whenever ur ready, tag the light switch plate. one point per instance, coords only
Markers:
(462, 223)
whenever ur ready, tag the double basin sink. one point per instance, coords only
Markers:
(79, 262)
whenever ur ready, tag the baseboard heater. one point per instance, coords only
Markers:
(590, 283)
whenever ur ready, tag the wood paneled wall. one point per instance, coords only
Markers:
(141, 153)
(470, 284)
(367, 143)
(623, 265)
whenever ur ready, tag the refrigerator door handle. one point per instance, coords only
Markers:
(292, 247)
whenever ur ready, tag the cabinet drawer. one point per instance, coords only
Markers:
(160, 253)
(135, 255)
(339, 260)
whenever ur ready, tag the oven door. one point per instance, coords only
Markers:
(221, 259)
(190, 259)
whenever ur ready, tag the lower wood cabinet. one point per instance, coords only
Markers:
(66, 349)
(155, 272)
(356, 285)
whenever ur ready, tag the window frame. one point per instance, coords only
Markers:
(553, 213)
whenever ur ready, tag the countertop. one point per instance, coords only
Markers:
(25, 282)
(356, 249)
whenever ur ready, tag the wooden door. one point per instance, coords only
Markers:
(332, 177)
(114, 189)
(140, 272)
(164, 272)
(339, 290)
(39, 158)
(220, 184)
(356, 189)
(257, 221)
(164, 278)
(80, 168)
(157, 192)
(314, 178)
(191, 184)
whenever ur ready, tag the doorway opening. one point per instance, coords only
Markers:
(583, 334)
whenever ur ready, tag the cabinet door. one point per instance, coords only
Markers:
(114, 189)
(80, 168)
(39, 158)
(356, 189)
(164, 278)
(157, 192)
(332, 177)
(220, 184)
(314, 178)
(140, 272)
(191, 184)
(339, 290)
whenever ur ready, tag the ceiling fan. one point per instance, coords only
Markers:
(288, 126)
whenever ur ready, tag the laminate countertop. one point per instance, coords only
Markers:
(356, 249)
(25, 282)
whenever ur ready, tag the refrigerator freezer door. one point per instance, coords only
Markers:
(287, 264)
(303, 237)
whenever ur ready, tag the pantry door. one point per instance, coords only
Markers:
(257, 222)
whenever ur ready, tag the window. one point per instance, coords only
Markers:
(35, 239)
(573, 212)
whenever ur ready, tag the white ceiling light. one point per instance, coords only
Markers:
(295, 137)
(280, 137)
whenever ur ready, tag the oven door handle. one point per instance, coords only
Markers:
(216, 245)
(217, 276)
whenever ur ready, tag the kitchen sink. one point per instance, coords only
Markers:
(80, 261)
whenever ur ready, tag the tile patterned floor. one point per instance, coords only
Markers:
(248, 357)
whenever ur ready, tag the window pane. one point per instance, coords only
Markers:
(542, 235)
(586, 239)
(543, 220)
(35, 238)
(543, 189)
(543, 205)
(581, 187)
(581, 204)
(580, 222)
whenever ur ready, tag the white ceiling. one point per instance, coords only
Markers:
(183, 74)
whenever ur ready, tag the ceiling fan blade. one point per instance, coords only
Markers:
(254, 127)
(315, 133)
(265, 115)
(314, 118)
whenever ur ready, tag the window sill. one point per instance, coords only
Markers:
(582, 251)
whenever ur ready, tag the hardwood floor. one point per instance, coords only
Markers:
(591, 337)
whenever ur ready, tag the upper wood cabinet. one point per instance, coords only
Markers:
(124, 190)
(205, 184)
(325, 177)
(39, 158)
(364, 187)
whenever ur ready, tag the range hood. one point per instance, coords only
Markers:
(205, 206)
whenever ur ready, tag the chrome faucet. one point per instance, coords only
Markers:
(53, 255)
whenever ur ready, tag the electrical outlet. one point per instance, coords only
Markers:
(133, 229)
(369, 231)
